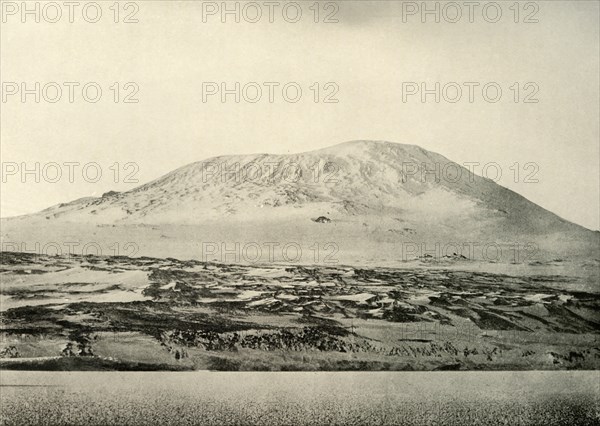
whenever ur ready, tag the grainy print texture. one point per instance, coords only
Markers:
(299, 212)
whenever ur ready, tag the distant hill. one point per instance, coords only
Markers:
(376, 195)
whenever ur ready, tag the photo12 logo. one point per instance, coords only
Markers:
(73, 248)
(471, 91)
(253, 12)
(69, 91)
(434, 330)
(254, 252)
(269, 91)
(53, 12)
(269, 172)
(68, 171)
(515, 252)
(453, 12)
(451, 172)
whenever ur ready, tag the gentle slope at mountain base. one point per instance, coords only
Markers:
(366, 201)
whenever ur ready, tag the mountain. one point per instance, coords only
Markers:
(379, 198)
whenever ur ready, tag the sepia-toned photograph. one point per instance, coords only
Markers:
(303, 212)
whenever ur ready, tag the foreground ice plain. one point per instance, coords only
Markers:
(342, 398)
(121, 313)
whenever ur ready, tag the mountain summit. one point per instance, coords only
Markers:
(370, 192)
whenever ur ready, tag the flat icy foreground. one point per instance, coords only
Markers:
(405, 398)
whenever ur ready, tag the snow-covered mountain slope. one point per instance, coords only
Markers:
(372, 192)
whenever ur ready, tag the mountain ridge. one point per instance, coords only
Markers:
(374, 195)
(254, 171)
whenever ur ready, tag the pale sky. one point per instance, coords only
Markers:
(368, 54)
